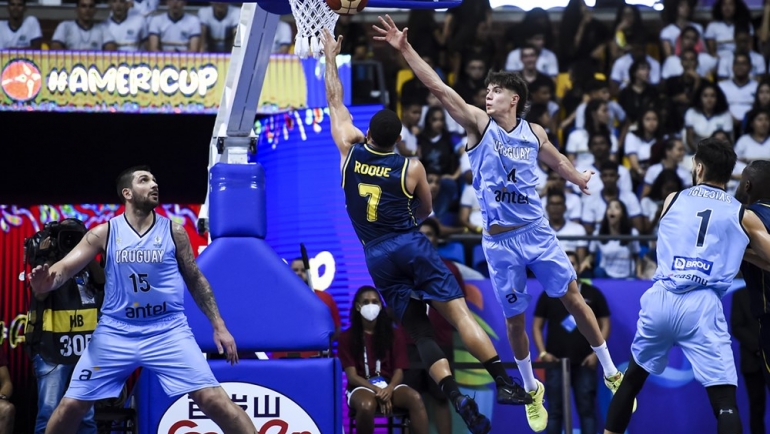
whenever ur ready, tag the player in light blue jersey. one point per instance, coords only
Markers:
(702, 237)
(504, 151)
(149, 261)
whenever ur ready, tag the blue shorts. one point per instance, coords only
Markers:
(693, 321)
(167, 347)
(405, 266)
(532, 246)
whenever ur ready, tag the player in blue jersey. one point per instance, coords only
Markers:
(387, 195)
(504, 151)
(754, 191)
(149, 260)
(702, 236)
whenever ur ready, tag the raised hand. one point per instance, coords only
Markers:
(390, 33)
(41, 279)
(225, 342)
(332, 47)
(585, 177)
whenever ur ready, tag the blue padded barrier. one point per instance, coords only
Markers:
(237, 201)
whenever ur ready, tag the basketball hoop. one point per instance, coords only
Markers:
(311, 17)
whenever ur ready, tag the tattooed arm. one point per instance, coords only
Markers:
(45, 278)
(200, 289)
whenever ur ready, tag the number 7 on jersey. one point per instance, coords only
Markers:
(372, 194)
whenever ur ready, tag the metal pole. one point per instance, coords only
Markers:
(566, 395)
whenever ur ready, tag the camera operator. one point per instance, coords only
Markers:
(61, 322)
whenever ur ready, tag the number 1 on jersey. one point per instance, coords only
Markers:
(705, 216)
(372, 194)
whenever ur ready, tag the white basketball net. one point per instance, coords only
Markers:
(311, 16)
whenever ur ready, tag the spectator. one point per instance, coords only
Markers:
(410, 117)
(598, 146)
(556, 210)
(471, 79)
(595, 205)
(7, 411)
(482, 46)
(547, 63)
(528, 56)
(619, 259)
(283, 38)
(621, 75)
(536, 21)
(709, 113)
(727, 15)
(673, 155)
(739, 90)
(679, 91)
(145, 8)
(130, 31)
(218, 25)
(755, 144)
(628, 27)
(175, 30)
(20, 32)
(82, 33)
(539, 113)
(639, 143)
(541, 91)
(443, 194)
(762, 98)
(437, 153)
(470, 211)
(640, 95)
(742, 45)
(599, 89)
(667, 182)
(298, 267)
(432, 101)
(745, 329)
(582, 81)
(688, 41)
(597, 123)
(374, 357)
(678, 15)
(572, 201)
(564, 341)
(581, 36)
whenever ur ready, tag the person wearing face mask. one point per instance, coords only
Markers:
(373, 355)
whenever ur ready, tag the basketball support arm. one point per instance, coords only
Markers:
(233, 137)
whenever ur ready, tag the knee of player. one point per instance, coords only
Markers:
(7, 409)
(516, 324)
(366, 406)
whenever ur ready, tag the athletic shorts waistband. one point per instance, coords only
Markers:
(514, 232)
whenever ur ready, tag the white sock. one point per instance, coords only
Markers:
(525, 369)
(605, 359)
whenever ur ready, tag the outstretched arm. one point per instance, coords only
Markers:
(45, 278)
(345, 134)
(473, 119)
(557, 161)
(200, 289)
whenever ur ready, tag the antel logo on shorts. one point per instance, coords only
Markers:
(692, 264)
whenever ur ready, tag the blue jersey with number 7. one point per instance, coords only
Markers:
(701, 241)
(376, 196)
(143, 282)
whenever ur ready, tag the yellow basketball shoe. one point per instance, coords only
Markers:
(613, 383)
(537, 416)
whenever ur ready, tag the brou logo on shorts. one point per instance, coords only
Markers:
(692, 264)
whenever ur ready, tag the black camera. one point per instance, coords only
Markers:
(54, 241)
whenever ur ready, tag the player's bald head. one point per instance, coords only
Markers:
(755, 180)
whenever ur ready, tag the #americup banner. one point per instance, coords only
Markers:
(121, 82)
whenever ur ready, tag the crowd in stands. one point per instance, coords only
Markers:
(625, 101)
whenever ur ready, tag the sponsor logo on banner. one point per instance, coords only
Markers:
(271, 412)
(682, 263)
(21, 80)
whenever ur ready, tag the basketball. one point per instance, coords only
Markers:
(347, 7)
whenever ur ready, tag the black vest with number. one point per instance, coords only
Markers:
(60, 327)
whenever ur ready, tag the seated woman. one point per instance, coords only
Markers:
(374, 356)
(619, 259)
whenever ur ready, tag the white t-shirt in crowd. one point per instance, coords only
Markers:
(469, 199)
(654, 171)
(129, 33)
(703, 126)
(671, 32)
(573, 203)
(547, 63)
(571, 229)
(749, 149)
(650, 208)
(621, 75)
(218, 30)
(739, 98)
(577, 143)
(594, 207)
(595, 184)
(723, 34)
(617, 260)
(76, 38)
(175, 35)
(725, 65)
(672, 67)
(640, 147)
(21, 37)
(409, 139)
